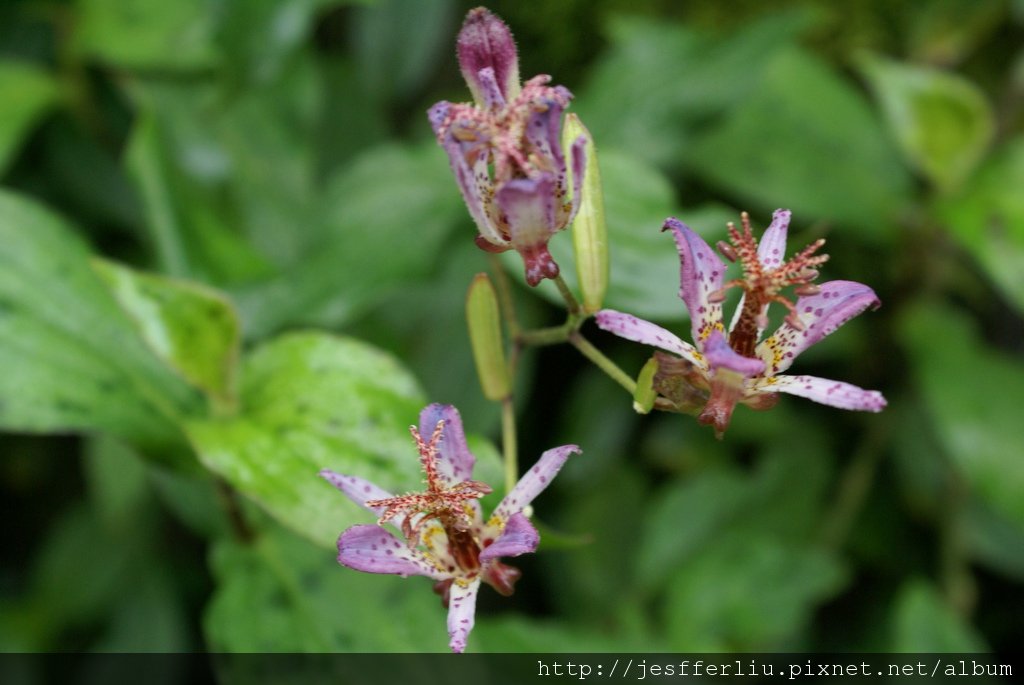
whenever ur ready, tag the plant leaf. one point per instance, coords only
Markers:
(941, 121)
(192, 328)
(29, 91)
(71, 359)
(311, 401)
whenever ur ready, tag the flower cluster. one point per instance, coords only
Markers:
(725, 367)
(445, 535)
(505, 148)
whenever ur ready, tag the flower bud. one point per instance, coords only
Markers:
(485, 42)
(482, 318)
(645, 394)
(589, 230)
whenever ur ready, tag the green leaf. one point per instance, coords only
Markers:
(717, 501)
(747, 592)
(687, 76)
(311, 401)
(183, 165)
(941, 121)
(282, 594)
(778, 148)
(138, 34)
(385, 218)
(71, 359)
(644, 262)
(921, 623)
(981, 431)
(28, 93)
(398, 42)
(192, 328)
(987, 218)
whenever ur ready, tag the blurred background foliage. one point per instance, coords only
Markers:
(232, 254)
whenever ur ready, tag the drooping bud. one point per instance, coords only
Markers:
(482, 318)
(589, 230)
(485, 42)
(645, 394)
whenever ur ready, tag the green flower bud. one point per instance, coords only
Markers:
(589, 232)
(645, 394)
(482, 317)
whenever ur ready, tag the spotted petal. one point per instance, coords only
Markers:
(578, 159)
(543, 126)
(454, 460)
(519, 537)
(375, 550)
(770, 252)
(701, 274)
(529, 206)
(360, 491)
(720, 356)
(836, 303)
(631, 328)
(468, 159)
(461, 614)
(772, 248)
(531, 484)
(824, 391)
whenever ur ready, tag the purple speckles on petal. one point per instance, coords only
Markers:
(631, 328)
(530, 485)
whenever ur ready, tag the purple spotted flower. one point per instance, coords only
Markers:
(445, 535)
(505, 148)
(725, 367)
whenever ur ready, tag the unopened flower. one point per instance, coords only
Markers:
(445, 535)
(724, 367)
(505, 148)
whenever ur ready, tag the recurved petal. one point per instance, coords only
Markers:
(543, 128)
(485, 41)
(578, 160)
(835, 303)
(701, 274)
(461, 613)
(466, 150)
(720, 356)
(358, 490)
(529, 206)
(375, 550)
(531, 484)
(454, 460)
(824, 391)
(519, 537)
(631, 328)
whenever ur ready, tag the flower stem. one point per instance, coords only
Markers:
(505, 302)
(854, 486)
(602, 362)
(508, 441)
(571, 302)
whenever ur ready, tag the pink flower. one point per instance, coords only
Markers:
(445, 535)
(505, 148)
(725, 367)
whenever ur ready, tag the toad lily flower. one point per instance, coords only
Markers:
(505, 149)
(724, 368)
(446, 537)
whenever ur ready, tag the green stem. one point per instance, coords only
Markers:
(571, 302)
(957, 582)
(508, 439)
(505, 302)
(602, 362)
(852, 491)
